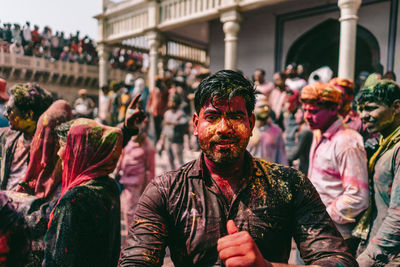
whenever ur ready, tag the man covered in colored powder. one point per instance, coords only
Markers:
(27, 102)
(228, 208)
(267, 139)
(338, 163)
(379, 105)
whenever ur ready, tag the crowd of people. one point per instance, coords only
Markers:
(304, 161)
(45, 43)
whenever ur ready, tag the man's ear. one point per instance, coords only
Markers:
(252, 122)
(195, 120)
(396, 106)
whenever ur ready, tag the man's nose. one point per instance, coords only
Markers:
(224, 126)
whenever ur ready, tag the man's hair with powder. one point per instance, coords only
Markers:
(31, 97)
(225, 84)
(63, 129)
(382, 91)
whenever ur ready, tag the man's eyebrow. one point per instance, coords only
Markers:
(212, 111)
(236, 112)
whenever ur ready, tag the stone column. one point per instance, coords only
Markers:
(154, 40)
(103, 52)
(231, 20)
(348, 34)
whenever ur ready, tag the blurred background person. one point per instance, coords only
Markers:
(267, 140)
(175, 124)
(135, 169)
(262, 85)
(83, 105)
(3, 100)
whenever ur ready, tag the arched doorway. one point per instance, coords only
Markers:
(320, 47)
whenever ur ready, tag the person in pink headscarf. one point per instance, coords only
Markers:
(44, 169)
(84, 226)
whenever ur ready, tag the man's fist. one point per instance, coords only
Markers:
(239, 249)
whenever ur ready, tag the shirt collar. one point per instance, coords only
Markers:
(197, 170)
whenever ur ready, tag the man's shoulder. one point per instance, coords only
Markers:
(277, 171)
(6, 133)
(347, 136)
(282, 181)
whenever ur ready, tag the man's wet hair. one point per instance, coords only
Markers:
(31, 97)
(382, 91)
(225, 84)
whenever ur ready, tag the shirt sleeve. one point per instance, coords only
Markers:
(385, 245)
(354, 174)
(147, 237)
(314, 232)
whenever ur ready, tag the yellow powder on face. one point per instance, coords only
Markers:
(27, 125)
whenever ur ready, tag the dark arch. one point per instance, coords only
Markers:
(320, 47)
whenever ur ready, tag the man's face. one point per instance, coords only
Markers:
(224, 129)
(18, 121)
(278, 81)
(377, 117)
(318, 117)
(258, 76)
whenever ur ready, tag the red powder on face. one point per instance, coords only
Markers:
(224, 128)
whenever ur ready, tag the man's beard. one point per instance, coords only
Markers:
(225, 156)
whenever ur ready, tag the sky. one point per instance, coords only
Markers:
(60, 15)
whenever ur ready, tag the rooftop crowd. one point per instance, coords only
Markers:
(303, 168)
(55, 45)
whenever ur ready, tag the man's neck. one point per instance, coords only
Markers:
(329, 124)
(227, 176)
(28, 136)
(389, 130)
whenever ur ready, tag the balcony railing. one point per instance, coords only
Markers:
(43, 70)
(133, 18)
(172, 11)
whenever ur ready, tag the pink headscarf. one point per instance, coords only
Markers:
(92, 150)
(44, 170)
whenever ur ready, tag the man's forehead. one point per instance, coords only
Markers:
(217, 103)
(372, 103)
(312, 106)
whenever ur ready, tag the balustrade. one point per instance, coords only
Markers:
(40, 69)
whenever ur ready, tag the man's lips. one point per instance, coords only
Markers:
(224, 143)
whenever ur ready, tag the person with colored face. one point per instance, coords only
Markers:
(267, 139)
(338, 163)
(226, 207)
(26, 104)
(349, 115)
(379, 227)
